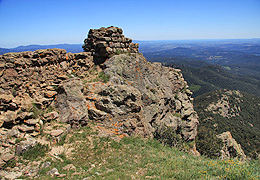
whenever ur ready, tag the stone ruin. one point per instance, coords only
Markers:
(104, 42)
(42, 88)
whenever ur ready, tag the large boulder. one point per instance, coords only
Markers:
(231, 148)
(71, 103)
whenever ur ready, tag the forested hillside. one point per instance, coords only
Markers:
(234, 111)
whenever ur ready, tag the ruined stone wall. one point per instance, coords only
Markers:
(32, 79)
(104, 42)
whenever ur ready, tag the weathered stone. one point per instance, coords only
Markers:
(8, 117)
(71, 103)
(2, 120)
(69, 167)
(25, 115)
(14, 132)
(231, 148)
(25, 128)
(63, 77)
(57, 132)
(13, 175)
(162, 102)
(51, 115)
(32, 121)
(7, 157)
(50, 94)
(6, 98)
(10, 74)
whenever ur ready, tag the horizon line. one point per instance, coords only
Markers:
(133, 40)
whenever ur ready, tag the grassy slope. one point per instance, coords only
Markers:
(138, 158)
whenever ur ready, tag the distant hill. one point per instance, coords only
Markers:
(240, 57)
(73, 48)
(234, 111)
(203, 78)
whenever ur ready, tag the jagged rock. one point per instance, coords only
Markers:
(25, 128)
(51, 115)
(162, 90)
(71, 103)
(231, 148)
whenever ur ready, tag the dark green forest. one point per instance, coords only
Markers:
(244, 126)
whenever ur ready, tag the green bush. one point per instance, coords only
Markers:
(168, 136)
(207, 142)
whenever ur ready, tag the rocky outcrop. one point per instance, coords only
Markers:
(122, 92)
(163, 94)
(224, 106)
(231, 148)
(105, 42)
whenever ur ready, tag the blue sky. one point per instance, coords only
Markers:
(24, 22)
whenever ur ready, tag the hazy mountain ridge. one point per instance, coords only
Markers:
(73, 48)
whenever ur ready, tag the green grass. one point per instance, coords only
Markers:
(36, 151)
(140, 158)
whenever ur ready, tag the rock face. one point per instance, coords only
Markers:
(128, 94)
(158, 94)
(104, 42)
(231, 148)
